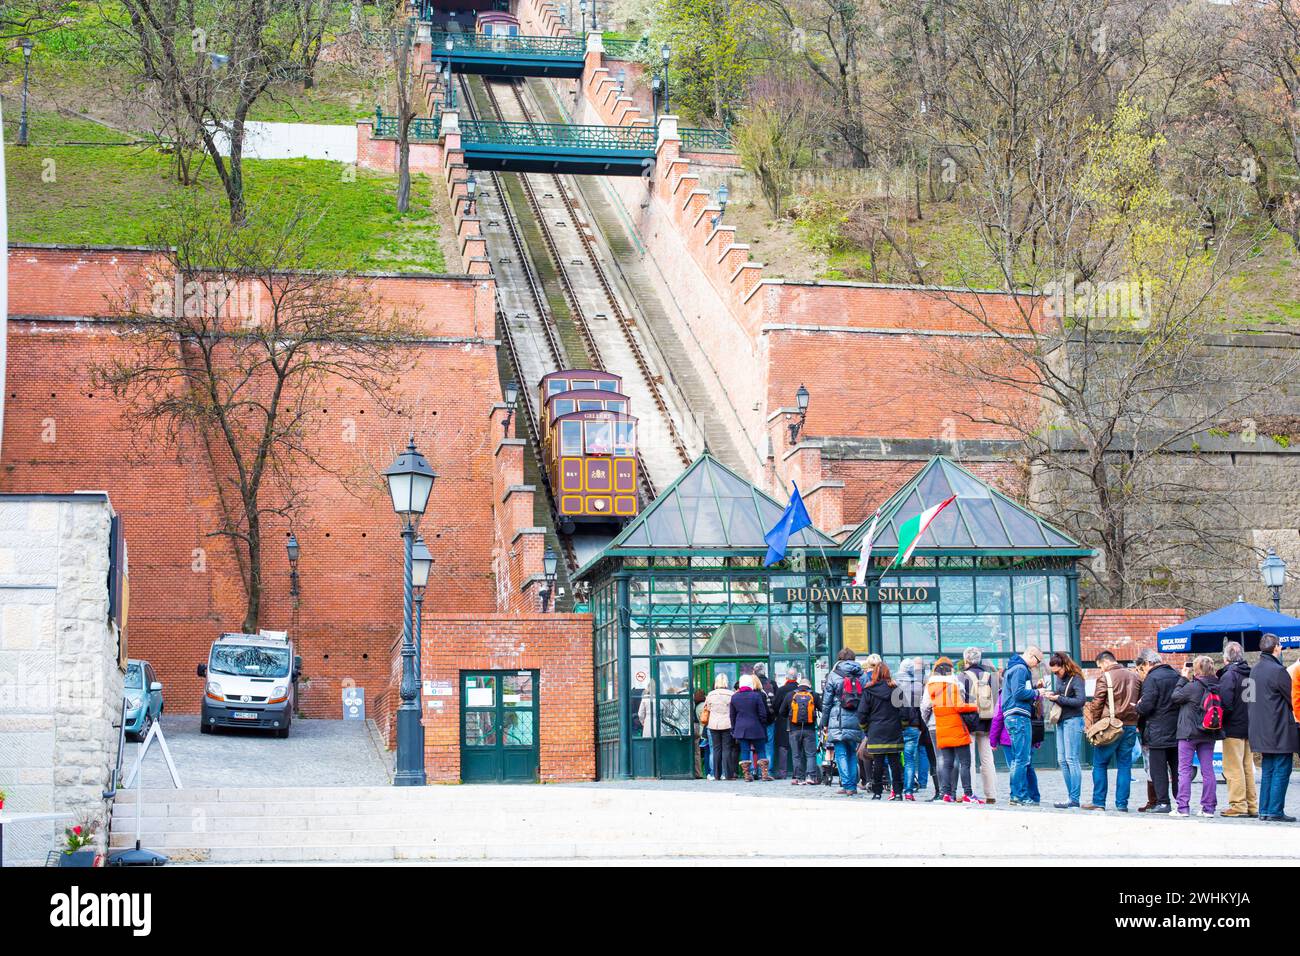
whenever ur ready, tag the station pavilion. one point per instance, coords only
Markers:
(681, 595)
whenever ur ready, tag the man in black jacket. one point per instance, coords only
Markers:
(781, 732)
(1238, 758)
(1158, 723)
(1272, 729)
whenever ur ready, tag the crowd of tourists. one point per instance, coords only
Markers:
(891, 734)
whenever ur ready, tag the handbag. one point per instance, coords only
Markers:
(1107, 730)
(1054, 711)
(704, 716)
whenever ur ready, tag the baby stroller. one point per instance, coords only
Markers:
(829, 772)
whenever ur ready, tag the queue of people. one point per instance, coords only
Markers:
(891, 734)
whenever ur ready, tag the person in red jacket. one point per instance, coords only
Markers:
(947, 699)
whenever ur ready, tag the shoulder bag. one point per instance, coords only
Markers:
(1107, 730)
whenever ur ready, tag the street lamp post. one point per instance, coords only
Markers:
(550, 563)
(665, 54)
(1273, 570)
(512, 396)
(723, 194)
(26, 45)
(471, 193)
(450, 43)
(594, 26)
(801, 399)
(421, 563)
(655, 85)
(410, 480)
(291, 546)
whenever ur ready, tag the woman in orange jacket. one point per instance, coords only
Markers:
(946, 699)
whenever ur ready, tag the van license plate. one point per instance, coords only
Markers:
(243, 715)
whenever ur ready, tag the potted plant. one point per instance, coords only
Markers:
(76, 839)
(2, 799)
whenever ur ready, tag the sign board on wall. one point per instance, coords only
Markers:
(851, 594)
(855, 634)
(354, 703)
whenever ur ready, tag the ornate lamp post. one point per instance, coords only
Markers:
(656, 84)
(550, 563)
(666, 54)
(291, 546)
(511, 396)
(410, 480)
(723, 194)
(471, 193)
(26, 45)
(801, 399)
(421, 563)
(1273, 571)
(450, 43)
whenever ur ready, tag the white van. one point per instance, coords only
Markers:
(251, 682)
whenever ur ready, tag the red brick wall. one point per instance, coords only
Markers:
(60, 434)
(557, 645)
(1125, 632)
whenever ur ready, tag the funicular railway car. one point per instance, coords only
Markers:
(589, 447)
(495, 23)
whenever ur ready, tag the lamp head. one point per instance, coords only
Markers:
(421, 563)
(291, 546)
(410, 480)
(801, 397)
(27, 45)
(724, 194)
(550, 562)
(471, 187)
(512, 392)
(1273, 570)
(665, 53)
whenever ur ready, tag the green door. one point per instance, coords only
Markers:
(498, 727)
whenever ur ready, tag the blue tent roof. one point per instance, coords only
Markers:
(1237, 620)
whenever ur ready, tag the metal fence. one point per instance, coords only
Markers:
(700, 140)
(424, 129)
(559, 135)
(625, 49)
(568, 47)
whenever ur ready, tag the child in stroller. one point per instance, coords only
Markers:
(830, 774)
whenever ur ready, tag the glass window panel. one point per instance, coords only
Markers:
(480, 728)
(1057, 540)
(749, 594)
(1058, 594)
(608, 385)
(1030, 593)
(613, 406)
(920, 635)
(693, 484)
(821, 667)
(782, 664)
(991, 633)
(819, 627)
(957, 595)
(672, 641)
(730, 668)
(674, 678)
(1024, 529)
(982, 518)
(670, 589)
(704, 521)
(517, 690)
(1033, 629)
(570, 438)
(583, 384)
(789, 634)
(946, 531)
(557, 385)
(563, 406)
(600, 438)
(590, 405)
(1061, 632)
(917, 581)
(788, 581)
(889, 636)
(743, 526)
(675, 717)
(728, 485)
(517, 728)
(638, 596)
(664, 523)
(993, 594)
(934, 486)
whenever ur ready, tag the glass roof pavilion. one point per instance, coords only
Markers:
(681, 601)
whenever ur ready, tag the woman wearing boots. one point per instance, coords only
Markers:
(749, 720)
(882, 720)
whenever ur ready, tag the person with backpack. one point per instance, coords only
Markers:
(782, 756)
(882, 721)
(982, 691)
(841, 698)
(1200, 724)
(1066, 699)
(1158, 725)
(947, 706)
(1272, 728)
(1238, 759)
(798, 719)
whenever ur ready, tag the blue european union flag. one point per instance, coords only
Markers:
(794, 519)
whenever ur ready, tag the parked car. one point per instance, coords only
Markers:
(251, 682)
(144, 698)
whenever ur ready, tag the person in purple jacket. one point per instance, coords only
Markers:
(1000, 736)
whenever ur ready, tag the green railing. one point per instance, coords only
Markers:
(559, 135)
(624, 49)
(424, 129)
(572, 48)
(706, 140)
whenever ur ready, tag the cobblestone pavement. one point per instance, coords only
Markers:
(317, 753)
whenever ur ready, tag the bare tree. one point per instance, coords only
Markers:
(775, 134)
(211, 62)
(397, 47)
(232, 342)
(311, 18)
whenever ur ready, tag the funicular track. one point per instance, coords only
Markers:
(590, 258)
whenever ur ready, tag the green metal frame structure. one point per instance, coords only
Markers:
(557, 147)
(700, 140)
(681, 595)
(485, 55)
(424, 129)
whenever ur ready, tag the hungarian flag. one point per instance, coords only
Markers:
(864, 556)
(911, 530)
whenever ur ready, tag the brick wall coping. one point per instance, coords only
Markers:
(887, 330)
(54, 496)
(897, 286)
(509, 618)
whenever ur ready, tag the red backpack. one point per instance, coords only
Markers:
(1211, 711)
(850, 693)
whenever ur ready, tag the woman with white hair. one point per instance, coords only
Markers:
(749, 719)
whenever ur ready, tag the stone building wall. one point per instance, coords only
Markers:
(60, 683)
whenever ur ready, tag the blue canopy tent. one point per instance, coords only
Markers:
(1238, 621)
